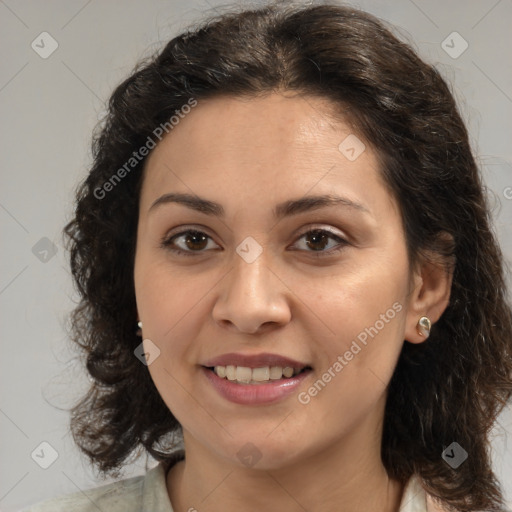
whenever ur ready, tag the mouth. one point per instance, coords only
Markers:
(258, 386)
(257, 376)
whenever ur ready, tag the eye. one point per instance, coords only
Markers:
(194, 241)
(318, 239)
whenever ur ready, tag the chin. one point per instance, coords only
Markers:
(260, 451)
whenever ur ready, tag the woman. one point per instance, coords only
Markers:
(291, 293)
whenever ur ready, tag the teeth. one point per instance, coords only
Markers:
(230, 372)
(246, 375)
(243, 374)
(287, 372)
(276, 372)
(261, 374)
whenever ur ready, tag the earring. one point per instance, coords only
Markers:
(423, 327)
(139, 330)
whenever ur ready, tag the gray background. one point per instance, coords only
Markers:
(49, 108)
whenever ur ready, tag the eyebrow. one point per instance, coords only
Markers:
(285, 209)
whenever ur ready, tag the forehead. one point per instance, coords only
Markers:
(278, 123)
(263, 149)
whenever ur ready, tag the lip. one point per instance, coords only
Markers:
(254, 394)
(253, 360)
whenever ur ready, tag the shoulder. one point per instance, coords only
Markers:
(145, 492)
(416, 499)
(124, 495)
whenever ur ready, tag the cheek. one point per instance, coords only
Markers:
(167, 303)
(165, 297)
(356, 368)
(359, 301)
(365, 313)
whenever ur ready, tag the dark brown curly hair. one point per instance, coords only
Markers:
(450, 388)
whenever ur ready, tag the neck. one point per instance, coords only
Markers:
(347, 475)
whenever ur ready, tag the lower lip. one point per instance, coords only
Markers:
(254, 394)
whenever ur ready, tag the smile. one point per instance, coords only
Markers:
(264, 374)
(255, 386)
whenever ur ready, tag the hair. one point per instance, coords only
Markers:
(449, 388)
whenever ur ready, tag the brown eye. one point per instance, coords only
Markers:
(192, 242)
(187, 242)
(195, 240)
(317, 240)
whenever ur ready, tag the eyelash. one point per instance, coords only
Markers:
(167, 242)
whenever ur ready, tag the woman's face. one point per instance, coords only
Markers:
(258, 280)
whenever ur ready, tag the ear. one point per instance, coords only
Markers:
(430, 289)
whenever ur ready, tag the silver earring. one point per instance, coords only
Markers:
(424, 325)
(139, 330)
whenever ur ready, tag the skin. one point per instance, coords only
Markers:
(249, 155)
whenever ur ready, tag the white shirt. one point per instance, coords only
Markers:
(148, 493)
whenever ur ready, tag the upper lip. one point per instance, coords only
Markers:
(254, 361)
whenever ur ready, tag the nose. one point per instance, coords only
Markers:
(252, 298)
